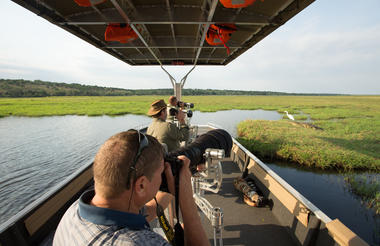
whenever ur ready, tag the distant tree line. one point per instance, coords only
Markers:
(38, 88)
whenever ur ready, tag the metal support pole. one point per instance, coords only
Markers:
(177, 87)
(200, 185)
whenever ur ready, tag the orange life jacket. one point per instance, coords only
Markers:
(88, 3)
(236, 3)
(219, 34)
(120, 32)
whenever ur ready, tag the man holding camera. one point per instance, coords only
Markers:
(127, 175)
(172, 104)
(167, 132)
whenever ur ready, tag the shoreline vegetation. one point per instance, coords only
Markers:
(349, 138)
(39, 88)
(366, 187)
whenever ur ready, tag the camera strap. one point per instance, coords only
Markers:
(179, 235)
(168, 230)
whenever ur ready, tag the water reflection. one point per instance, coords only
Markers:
(327, 190)
(37, 153)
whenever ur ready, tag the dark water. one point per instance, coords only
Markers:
(330, 194)
(38, 153)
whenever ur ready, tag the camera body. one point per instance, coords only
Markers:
(174, 112)
(176, 165)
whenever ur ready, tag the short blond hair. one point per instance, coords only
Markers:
(114, 158)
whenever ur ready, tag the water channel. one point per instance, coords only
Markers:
(38, 153)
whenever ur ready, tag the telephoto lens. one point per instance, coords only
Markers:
(190, 105)
(215, 139)
(189, 113)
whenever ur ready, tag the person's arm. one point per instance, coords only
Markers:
(180, 133)
(163, 198)
(193, 229)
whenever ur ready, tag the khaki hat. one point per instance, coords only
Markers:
(156, 107)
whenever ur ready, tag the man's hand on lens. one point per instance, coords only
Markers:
(185, 174)
(181, 116)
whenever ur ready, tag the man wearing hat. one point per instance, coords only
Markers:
(167, 132)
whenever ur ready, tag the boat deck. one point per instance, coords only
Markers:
(242, 224)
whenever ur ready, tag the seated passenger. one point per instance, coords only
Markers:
(127, 174)
(167, 132)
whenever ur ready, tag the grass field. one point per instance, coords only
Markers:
(91, 106)
(336, 107)
(350, 138)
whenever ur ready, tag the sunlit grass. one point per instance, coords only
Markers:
(342, 147)
(350, 138)
(322, 107)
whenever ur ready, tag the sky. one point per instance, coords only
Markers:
(333, 46)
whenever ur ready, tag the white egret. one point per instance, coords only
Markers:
(289, 115)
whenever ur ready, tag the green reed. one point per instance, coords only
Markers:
(366, 187)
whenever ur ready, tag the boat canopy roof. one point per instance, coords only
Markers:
(169, 32)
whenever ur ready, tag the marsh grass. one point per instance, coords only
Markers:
(350, 138)
(339, 148)
(367, 187)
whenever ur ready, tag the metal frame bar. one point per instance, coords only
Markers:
(173, 47)
(172, 25)
(179, 86)
(200, 25)
(105, 19)
(124, 15)
(205, 29)
(180, 58)
(142, 25)
(165, 23)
